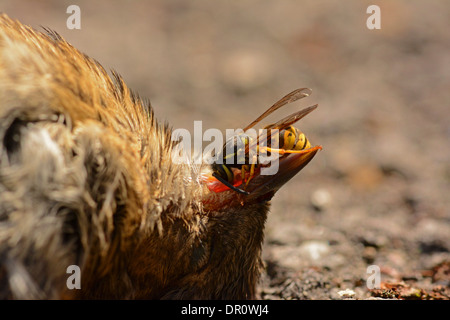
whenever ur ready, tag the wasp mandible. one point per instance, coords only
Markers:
(291, 140)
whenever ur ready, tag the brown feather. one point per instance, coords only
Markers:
(87, 179)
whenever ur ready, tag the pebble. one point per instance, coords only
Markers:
(347, 293)
(320, 199)
(314, 250)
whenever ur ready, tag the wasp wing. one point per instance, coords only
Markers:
(291, 119)
(280, 125)
(290, 97)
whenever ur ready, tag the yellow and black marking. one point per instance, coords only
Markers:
(291, 140)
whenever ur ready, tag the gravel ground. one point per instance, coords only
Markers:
(378, 193)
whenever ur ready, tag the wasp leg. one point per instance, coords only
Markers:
(243, 170)
(229, 185)
(252, 170)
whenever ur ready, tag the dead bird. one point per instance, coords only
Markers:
(87, 179)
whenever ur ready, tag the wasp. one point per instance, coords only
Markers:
(291, 140)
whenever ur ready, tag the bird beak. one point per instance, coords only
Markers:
(263, 187)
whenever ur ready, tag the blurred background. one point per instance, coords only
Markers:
(378, 193)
